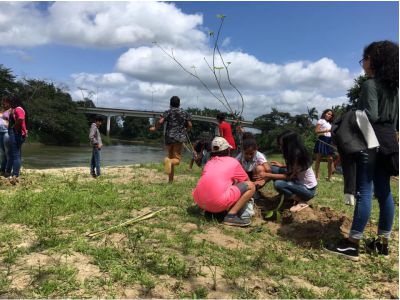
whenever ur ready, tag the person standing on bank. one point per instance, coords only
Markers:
(379, 98)
(323, 144)
(4, 140)
(225, 131)
(17, 134)
(95, 141)
(178, 121)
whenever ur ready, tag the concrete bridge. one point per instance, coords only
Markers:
(112, 112)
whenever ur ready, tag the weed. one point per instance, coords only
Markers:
(198, 293)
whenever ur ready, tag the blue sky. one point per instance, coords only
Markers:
(288, 55)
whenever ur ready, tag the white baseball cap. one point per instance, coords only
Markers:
(219, 144)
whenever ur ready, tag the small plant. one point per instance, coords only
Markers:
(270, 213)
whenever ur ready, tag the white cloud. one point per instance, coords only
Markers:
(98, 24)
(145, 78)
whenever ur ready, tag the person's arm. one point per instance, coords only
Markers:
(92, 135)
(277, 163)
(267, 167)
(369, 100)
(220, 130)
(19, 117)
(265, 175)
(5, 120)
(189, 125)
(158, 124)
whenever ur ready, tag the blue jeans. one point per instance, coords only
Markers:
(95, 162)
(15, 141)
(371, 174)
(4, 151)
(290, 188)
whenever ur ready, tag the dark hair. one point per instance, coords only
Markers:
(294, 152)
(249, 141)
(221, 116)
(175, 101)
(384, 61)
(98, 118)
(325, 112)
(14, 102)
(220, 153)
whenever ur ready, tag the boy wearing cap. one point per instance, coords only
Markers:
(224, 185)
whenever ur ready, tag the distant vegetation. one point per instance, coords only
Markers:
(52, 117)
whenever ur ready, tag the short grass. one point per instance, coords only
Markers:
(44, 252)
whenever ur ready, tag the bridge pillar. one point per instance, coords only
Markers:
(108, 125)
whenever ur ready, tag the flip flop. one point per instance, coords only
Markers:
(298, 207)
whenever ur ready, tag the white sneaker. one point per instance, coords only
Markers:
(349, 199)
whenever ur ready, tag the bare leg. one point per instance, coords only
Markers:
(174, 162)
(171, 175)
(243, 199)
(317, 162)
(191, 163)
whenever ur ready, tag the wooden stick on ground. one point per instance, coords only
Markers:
(126, 223)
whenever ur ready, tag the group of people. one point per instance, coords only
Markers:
(228, 184)
(13, 133)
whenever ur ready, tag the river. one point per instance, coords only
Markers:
(38, 156)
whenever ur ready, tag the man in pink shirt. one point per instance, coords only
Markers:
(224, 185)
(225, 130)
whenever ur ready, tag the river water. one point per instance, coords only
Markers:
(37, 156)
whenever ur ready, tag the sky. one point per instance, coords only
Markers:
(285, 55)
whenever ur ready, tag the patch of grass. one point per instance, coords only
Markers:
(197, 293)
(55, 280)
(60, 209)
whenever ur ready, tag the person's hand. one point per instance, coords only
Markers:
(259, 182)
(152, 128)
(260, 176)
(276, 163)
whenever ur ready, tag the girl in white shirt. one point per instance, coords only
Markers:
(323, 146)
(253, 161)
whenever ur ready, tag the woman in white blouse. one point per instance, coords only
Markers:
(323, 146)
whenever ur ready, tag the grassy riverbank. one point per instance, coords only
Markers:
(44, 251)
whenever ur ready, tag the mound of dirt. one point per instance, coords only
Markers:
(307, 227)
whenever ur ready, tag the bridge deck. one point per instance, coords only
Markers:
(109, 112)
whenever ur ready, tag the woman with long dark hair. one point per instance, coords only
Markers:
(295, 179)
(379, 98)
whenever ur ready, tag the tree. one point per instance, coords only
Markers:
(7, 81)
(86, 102)
(312, 114)
(51, 114)
(354, 92)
